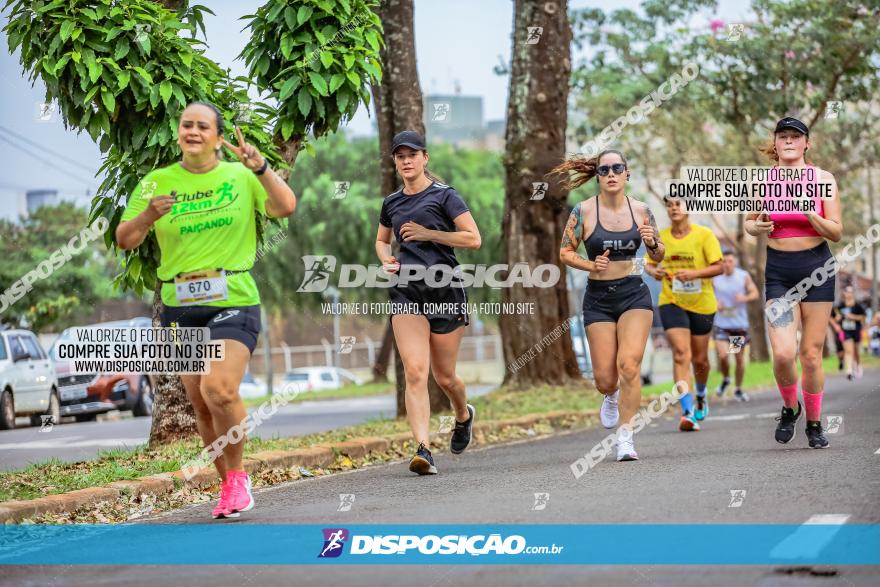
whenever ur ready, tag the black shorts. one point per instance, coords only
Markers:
(785, 269)
(444, 307)
(855, 335)
(728, 333)
(672, 316)
(241, 323)
(606, 301)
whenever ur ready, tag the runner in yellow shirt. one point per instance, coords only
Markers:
(687, 303)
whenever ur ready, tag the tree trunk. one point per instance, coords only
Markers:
(173, 415)
(289, 150)
(380, 367)
(398, 102)
(532, 229)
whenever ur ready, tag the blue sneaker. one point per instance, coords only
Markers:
(423, 463)
(701, 410)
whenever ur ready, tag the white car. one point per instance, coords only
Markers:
(317, 379)
(252, 387)
(28, 384)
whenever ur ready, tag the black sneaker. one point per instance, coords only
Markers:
(423, 462)
(815, 436)
(787, 420)
(461, 436)
(740, 395)
(722, 387)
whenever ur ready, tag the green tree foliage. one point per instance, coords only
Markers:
(316, 59)
(73, 288)
(123, 72)
(791, 58)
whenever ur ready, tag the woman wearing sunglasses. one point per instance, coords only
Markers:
(687, 304)
(617, 304)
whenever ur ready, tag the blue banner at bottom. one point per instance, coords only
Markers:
(606, 544)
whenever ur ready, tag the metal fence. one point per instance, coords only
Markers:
(361, 354)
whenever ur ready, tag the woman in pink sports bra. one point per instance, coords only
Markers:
(799, 284)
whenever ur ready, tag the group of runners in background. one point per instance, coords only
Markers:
(702, 288)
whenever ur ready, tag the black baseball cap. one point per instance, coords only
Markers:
(793, 123)
(408, 138)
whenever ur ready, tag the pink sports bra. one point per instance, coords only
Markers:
(791, 224)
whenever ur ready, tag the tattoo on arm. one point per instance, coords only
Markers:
(571, 235)
(659, 244)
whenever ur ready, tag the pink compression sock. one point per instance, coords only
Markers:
(789, 394)
(813, 405)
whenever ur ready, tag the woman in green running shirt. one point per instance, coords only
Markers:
(202, 210)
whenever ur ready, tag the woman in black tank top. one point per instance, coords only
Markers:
(617, 307)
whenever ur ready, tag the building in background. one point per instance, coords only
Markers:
(458, 120)
(17, 204)
(35, 199)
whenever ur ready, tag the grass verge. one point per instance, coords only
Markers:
(365, 390)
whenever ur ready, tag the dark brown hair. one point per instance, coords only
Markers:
(577, 171)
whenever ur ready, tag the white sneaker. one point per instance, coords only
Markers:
(608, 414)
(625, 449)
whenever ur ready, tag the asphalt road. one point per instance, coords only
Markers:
(76, 441)
(680, 479)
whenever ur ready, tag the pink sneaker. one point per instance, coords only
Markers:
(222, 508)
(240, 498)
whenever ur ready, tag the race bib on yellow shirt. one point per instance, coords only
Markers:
(687, 287)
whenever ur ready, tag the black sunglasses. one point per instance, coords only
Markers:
(617, 168)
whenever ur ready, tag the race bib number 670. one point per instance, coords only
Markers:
(200, 287)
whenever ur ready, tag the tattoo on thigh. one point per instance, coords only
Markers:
(784, 319)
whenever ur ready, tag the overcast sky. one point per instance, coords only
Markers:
(457, 42)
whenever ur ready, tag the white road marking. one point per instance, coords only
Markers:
(877, 452)
(800, 544)
(770, 415)
(729, 418)
(66, 443)
(830, 519)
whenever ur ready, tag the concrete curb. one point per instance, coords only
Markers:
(316, 456)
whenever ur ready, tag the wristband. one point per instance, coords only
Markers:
(654, 248)
(263, 168)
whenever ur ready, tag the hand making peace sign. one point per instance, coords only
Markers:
(246, 153)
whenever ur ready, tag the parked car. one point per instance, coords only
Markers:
(317, 379)
(252, 386)
(86, 395)
(28, 384)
